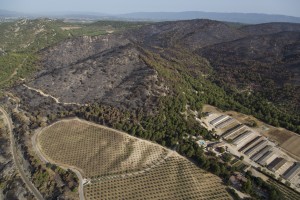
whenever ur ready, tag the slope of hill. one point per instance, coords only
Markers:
(115, 69)
(102, 69)
(136, 67)
(21, 40)
(268, 63)
(269, 28)
(34, 35)
(189, 34)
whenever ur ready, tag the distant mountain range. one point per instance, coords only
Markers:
(247, 18)
(6, 13)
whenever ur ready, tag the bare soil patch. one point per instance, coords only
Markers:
(292, 145)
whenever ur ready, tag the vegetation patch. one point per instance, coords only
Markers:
(15, 67)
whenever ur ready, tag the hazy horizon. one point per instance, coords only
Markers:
(277, 7)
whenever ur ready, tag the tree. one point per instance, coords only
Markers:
(214, 168)
(258, 181)
(43, 124)
(221, 150)
(247, 186)
(227, 157)
(190, 152)
(275, 194)
(233, 193)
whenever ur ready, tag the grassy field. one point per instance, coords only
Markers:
(124, 167)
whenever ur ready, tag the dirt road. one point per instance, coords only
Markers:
(52, 97)
(28, 183)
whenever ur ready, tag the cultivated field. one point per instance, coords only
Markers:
(176, 178)
(123, 167)
(97, 151)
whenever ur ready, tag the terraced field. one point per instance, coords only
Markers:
(120, 166)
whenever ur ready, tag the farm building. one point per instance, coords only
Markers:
(276, 164)
(284, 168)
(245, 135)
(218, 144)
(251, 143)
(237, 128)
(225, 123)
(256, 148)
(218, 119)
(270, 159)
(267, 158)
(259, 154)
(292, 172)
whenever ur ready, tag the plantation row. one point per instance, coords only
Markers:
(176, 178)
(124, 167)
(97, 151)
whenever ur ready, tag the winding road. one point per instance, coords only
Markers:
(27, 182)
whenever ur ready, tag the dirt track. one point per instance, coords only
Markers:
(28, 183)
